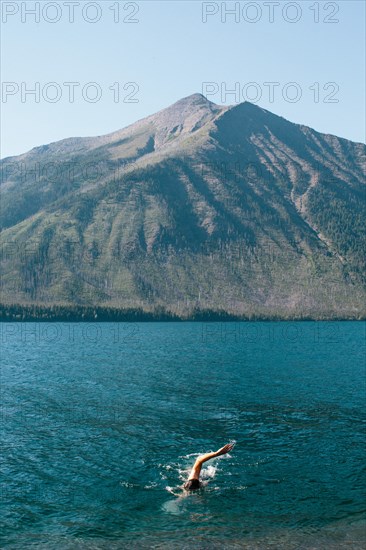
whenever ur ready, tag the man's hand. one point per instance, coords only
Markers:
(225, 449)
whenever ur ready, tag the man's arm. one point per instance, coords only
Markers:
(225, 449)
(196, 470)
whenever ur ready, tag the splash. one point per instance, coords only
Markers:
(210, 471)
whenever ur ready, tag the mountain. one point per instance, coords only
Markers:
(198, 206)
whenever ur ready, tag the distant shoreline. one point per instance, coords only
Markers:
(76, 314)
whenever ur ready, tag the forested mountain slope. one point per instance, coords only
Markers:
(198, 206)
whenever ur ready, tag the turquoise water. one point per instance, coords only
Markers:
(101, 423)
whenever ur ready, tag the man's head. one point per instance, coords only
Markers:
(192, 484)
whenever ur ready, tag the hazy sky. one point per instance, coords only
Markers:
(99, 66)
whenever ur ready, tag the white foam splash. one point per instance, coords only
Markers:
(210, 471)
(151, 486)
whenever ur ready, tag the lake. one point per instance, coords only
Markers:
(101, 423)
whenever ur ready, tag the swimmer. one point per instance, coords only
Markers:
(193, 482)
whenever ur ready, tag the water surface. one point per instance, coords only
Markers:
(101, 424)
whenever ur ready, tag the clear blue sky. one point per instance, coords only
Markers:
(169, 53)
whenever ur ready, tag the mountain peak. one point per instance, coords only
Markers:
(195, 99)
(185, 116)
(192, 104)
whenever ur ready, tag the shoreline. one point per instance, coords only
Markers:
(106, 314)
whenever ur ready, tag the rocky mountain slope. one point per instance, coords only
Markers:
(197, 206)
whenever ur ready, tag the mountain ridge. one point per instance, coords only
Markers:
(189, 101)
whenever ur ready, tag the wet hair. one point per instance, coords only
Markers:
(192, 484)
